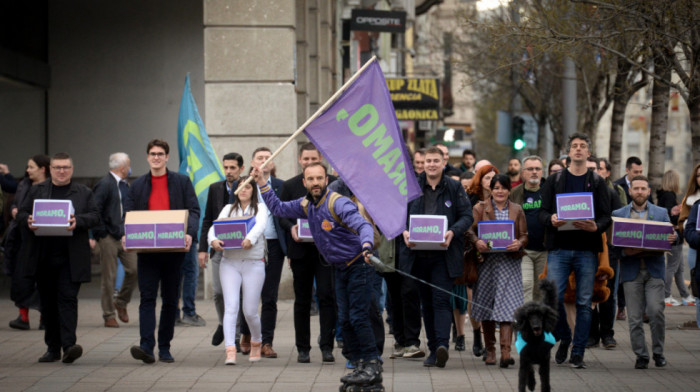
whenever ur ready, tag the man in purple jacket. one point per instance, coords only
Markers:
(345, 242)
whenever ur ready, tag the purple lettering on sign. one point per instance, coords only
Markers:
(170, 235)
(628, 234)
(232, 234)
(426, 229)
(51, 212)
(140, 235)
(575, 206)
(498, 233)
(656, 236)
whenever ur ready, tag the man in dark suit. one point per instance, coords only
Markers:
(110, 195)
(307, 264)
(633, 168)
(60, 264)
(220, 194)
(276, 249)
(160, 189)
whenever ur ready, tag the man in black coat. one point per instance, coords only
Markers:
(307, 264)
(110, 195)
(60, 264)
(441, 196)
(220, 194)
(160, 189)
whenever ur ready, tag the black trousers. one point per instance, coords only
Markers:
(59, 299)
(405, 308)
(603, 317)
(304, 271)
(273, 274)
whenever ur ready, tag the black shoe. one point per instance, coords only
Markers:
(659, 360)
(430, 361)
(641, 363)
(609, 342)
(142, 355)
(441, 356)
(577, 362)
(50, 356)
(339, 343)
(218, 336)
(165, 356)
(477, 347)
(327, 356)
(459, 344)
(237, 342)
(303, 357)
(72, 353)
(562, 352)
(454, 333)
(592, 342)
(19, 324)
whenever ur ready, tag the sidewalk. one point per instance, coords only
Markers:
(107, 364)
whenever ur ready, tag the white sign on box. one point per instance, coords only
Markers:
(52, 216)
(427, 231)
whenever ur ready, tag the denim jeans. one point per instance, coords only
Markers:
(353, 290)
(190, 274)
(560, 263)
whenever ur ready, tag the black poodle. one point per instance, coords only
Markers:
(534, 324)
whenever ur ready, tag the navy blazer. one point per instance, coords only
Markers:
(217, 198)
(692, 235)
(180, 192)
(108, 202)
(655, 262)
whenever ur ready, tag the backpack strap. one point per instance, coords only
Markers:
(305, 206)
(331, 208)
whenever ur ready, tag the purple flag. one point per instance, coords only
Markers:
(360, 136)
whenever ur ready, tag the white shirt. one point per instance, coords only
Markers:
(257, 252)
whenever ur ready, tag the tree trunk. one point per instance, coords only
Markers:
(694, 109)
(659, 122)
(617, 123)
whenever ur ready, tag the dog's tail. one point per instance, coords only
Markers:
(549, 293)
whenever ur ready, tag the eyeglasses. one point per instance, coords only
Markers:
(533, 169)
(156, 154)
(61, 168)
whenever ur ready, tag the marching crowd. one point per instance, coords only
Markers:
(596, 282)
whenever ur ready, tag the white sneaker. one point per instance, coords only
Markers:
(688, 301)
(670, 301)
(413, 352)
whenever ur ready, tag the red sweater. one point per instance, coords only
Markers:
(160, 199)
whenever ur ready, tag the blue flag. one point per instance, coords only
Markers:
(197, 158)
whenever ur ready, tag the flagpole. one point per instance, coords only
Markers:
(319, 112)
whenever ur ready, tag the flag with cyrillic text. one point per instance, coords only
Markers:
(361, 138)
(197, 157)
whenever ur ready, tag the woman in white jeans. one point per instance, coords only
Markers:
(243, 268)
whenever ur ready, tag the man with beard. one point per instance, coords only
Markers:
(529, 196)
(468, 161)
(220, 194)
(514, 172)
(642, 276)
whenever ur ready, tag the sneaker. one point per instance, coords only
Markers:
(18, 323)
(350, 364)
(670, 301)
(577, 362)
(641, 363)
(609, 342)
(430, 361)
(193, 321)
(562, 352)
(592, 342)
(441, 357)
(398, 352)
(688, 301)
(413, 352)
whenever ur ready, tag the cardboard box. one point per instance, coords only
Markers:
(499, 233)
(52, 216)
(574, 207)
(156, 231)
(303, 231)
(637, 233)
(427, 231)
(232, 231)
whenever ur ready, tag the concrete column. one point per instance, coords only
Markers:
(249, 74)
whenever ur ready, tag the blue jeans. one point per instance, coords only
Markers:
(437, 309)
(584, 264)
(190, 274)
(353, 290)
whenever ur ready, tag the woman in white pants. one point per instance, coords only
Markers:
(243, 268)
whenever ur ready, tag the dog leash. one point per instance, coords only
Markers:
(378, 265)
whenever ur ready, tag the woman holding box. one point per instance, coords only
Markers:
(243, 268)
(499, 288)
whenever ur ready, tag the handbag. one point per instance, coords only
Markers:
(472, 257)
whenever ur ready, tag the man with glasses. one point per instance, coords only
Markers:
(60, 264)
(160, 189)
(574, 250)
(529, 196)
